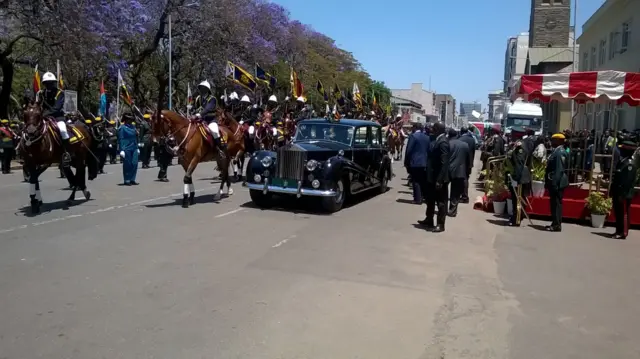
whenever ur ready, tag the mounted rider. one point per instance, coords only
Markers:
(53, 107)
(206, 107)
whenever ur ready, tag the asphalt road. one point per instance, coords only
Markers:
(130, 274)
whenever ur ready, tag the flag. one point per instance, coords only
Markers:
(124, 93)
(297, 89)
(36, 81)
(265, 77)
(375, 101)
(357, 97)
(338, 95)
(322, 91)
(60, 81)
(102, 111)
(240, 76)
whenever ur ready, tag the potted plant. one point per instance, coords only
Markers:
(496, 189)
(599, 207)
(537, 178)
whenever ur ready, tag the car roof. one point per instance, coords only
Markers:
(344, 121)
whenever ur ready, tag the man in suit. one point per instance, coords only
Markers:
(415, 160)
(556, 180)
(467, 137)
(458, 165)
(437, 179)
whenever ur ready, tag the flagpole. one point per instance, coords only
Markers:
(118, 101)
(170, 64)
(58, 70)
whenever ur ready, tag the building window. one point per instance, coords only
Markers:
(626, 35)
(584, 66)
(593, 58)
(546, 1)
(613, 44)
(557, 2)
(603, 52)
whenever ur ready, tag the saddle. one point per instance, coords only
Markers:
(75, 135)
(207, 135)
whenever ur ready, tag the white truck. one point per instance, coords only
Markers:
(525, 115)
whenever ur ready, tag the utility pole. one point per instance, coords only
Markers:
(170, 63)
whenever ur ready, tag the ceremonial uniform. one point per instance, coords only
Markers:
(53, 105)
(622, 188)
(128, 146)
(100, 136)
(520, 178)
(164, 156)
(556, 180)
(145, 141)
(112, 142)
(7, 146)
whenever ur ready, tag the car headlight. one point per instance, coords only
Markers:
(312, 165)
(266, 161)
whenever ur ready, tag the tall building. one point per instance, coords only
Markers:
(515, 59)
(466, 108)
(610, 40)
(446, 108)
(550, 52)
(416, 93)
(497, 106)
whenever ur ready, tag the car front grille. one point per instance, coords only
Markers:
(290, 163)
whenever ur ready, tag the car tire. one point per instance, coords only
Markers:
(384, 181)
(335, 203)
(260, 199)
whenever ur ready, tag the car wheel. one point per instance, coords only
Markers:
(384, 182)
(335, 203)
(260, 199)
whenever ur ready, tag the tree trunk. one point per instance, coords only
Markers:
(7, 82)
(81, 89)
(163, 82)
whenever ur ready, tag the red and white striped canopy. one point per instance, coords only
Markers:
(596, 86)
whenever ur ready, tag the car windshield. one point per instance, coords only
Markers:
(324, 132)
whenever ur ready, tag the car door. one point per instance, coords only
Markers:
(376, 152)
(361, 157)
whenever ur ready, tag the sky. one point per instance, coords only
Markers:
(456, 45)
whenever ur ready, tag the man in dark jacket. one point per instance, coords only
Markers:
(415, 160)
(458, 165)
(556, 180)
(467, 137)
(622, 186)
(437, 179)
(145, 140)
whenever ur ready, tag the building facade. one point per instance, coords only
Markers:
(467, 107)
(402, 105)
(515, 59)
(426, 98)
(610, 40)
(446, 108)
(497, 106)
(549, 23)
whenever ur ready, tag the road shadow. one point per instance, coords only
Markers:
(207, 198)
(406, 192)
(407, 201)
(49, 207)
(499, 222)
(539, 227)
(606, 235)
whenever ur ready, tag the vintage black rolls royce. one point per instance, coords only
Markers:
(329, 159)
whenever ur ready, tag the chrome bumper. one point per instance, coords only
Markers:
(299, 192)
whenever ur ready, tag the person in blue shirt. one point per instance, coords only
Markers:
(53, 107)
(128, 146)
(415, 160)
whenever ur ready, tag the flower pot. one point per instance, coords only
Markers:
(597, 220)
(509, 207)
(498, 207)
(537, 189)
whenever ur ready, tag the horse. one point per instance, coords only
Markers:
(289, 129)
(41, 146)
(395, 142)
(235, 139)
(264, 136)
(196, 146)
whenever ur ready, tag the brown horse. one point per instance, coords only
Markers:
(265, 140)
(395, 142)
(41, 146)
(191, 137)
(235, 139)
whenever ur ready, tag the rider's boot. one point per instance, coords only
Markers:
(220, 146)
(66, 157)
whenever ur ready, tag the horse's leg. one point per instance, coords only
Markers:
(189, 189)
(81, 179)
(34, 190)
(71, 177)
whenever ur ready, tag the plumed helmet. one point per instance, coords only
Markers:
(300, 99)
(48, 76)
(233, 96)
(287, 98)
(273, 98)
(206, 84)
(245, 98)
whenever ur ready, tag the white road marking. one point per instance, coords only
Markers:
(107, 209)
(228, 213)
(282, 242)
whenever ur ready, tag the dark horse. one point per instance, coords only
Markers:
(41, 146)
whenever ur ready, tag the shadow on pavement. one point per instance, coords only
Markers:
(406, 201)
(606, 235)
(539, 227)
(207, 198)
(499, 222)
(51, 206)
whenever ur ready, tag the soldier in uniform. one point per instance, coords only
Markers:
(100, 136)
(7, 145)
(622, 188)
(145, 140)
(519, 179)
(129, 151)
(556, 180)
(164, 155)
(53, 105)
(206, 109)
